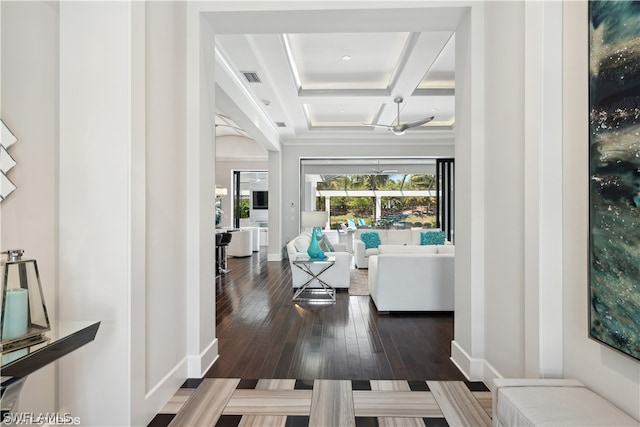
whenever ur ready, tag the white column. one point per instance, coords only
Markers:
(277, 212)
(327, 208)
(309, 195)
(202, 345)
(543, 189)
(467, 349)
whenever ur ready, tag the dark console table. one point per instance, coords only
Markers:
(63, 338)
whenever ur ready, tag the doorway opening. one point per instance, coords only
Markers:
(250, 198)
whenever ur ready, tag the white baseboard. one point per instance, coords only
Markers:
(163, 391)
(470, 367)
(198, 365)
(189, 367)
(473, 368)
(274, 257)
(173, 377)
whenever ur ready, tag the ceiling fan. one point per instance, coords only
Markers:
(383, 171)
(399, 129)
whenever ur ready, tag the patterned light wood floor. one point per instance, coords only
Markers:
(225, 402)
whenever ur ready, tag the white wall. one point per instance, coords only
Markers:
(96, 145)
(98, 96)
(606, 371)
(535, 290)
(29, 65)
(165, 100)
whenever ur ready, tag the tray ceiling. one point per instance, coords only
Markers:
(324, 82)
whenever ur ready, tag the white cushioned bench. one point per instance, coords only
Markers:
(552, 402)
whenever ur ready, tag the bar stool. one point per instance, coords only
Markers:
(222, 243)
(218, 255)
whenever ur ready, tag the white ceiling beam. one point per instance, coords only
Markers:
(236, 102)
(270, 54)
(435, 91)
(342, 16)
(425, 51)
(280, 86)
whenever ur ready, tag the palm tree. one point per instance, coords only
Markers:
(422, 182)
(377, 182)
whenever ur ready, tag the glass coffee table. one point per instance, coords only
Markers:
(314, 268)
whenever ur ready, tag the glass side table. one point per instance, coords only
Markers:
(314, 268)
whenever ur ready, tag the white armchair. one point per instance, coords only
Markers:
(241, 244)
(337, 276)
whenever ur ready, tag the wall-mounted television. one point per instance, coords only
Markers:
(260, 199)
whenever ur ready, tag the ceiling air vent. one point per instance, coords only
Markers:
(251, 76)
(281, 124)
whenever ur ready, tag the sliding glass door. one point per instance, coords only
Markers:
(445, 202)
(383, 193)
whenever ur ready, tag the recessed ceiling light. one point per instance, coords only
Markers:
(346, 57)
(342, 110)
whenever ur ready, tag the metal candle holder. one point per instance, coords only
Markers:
(24, 318)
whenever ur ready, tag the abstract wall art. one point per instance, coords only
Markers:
(7, 139)
(614, 174)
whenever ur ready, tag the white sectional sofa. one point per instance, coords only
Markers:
(403, 278)
(338, 276)
(408, 237)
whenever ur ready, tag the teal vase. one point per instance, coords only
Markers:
(314, 250)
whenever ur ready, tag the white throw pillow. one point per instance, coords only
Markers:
(301, 243)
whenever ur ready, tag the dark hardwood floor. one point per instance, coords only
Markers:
(263, 334)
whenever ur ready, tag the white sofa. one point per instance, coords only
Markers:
(408, 237)
(412, 279)
(552, 402)
(338, 276)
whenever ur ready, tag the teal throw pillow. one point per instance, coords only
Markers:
(371, 239)
(432, 238)
(325, 244)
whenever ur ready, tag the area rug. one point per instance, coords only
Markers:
(359, 282)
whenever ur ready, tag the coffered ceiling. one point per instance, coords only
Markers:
(328, 73)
